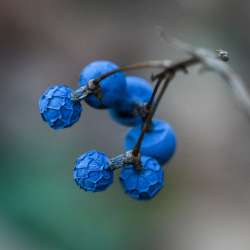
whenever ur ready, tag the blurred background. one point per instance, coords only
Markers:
(205, 204)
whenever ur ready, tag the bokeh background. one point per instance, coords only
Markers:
(206, 200)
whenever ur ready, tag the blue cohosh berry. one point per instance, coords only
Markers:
(138, 93)
(57, 108)
(111, 88)
(91, 171)
(159, 141)
(142, 184)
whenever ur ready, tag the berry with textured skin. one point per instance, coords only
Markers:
(142, 184)
(91, 171)
(159, 141)
(57, 108)
(111, 88)
(138, 93)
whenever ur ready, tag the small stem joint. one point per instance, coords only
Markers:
(81, 93)
(122, 160)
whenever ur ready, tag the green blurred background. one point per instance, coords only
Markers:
(205, 203)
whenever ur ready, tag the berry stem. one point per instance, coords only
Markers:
(141, 65)
(167, 65)
(151, 112)
(150, 103)
(164, 87)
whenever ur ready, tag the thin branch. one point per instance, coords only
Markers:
(141, 65)
(152, 98)
(167, 65)
(151, 112)
(146, 123)
(163, 90)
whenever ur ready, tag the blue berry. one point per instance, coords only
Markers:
(159, 141)
(57, 108)
(111, 88)
(142, 184)
(91, 171)
(138, 93)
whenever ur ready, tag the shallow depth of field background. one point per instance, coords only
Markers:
(205, 204)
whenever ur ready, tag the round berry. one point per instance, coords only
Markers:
(57, 108)
(111, 88)
(91, 171)
(142, 184)
(159, 141)
(138, 93)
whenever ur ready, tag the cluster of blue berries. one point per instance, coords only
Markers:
(125, 97)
